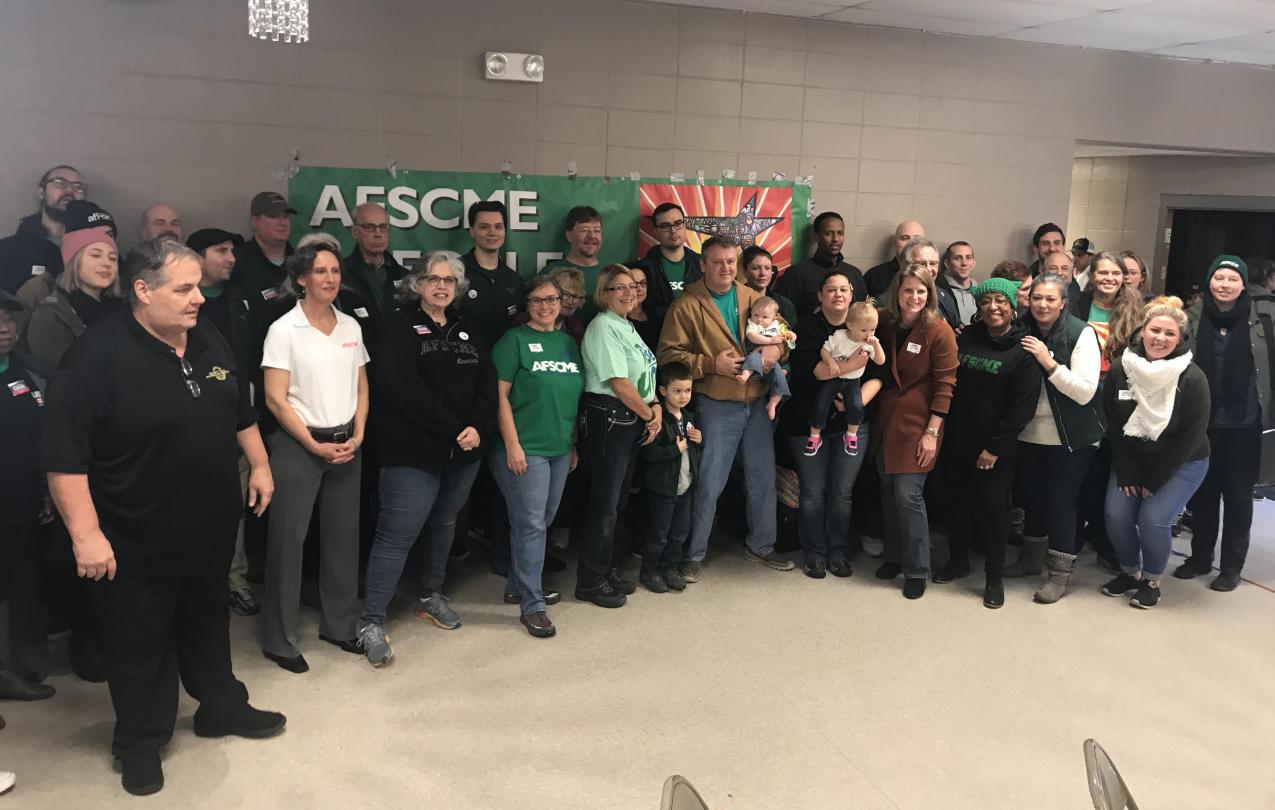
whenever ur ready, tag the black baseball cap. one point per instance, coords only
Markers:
(10, 302)
(271, 204)
(201, 240)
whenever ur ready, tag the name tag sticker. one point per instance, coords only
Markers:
(1124, 395)
(914, 348)
(19, 387)
(511, 311)
(38, 270)
(360, 311)
(422, 329)
(270, 294)
(535, 347)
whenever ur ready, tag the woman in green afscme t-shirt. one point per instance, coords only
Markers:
(540, 378)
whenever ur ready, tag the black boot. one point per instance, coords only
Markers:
(994, 592)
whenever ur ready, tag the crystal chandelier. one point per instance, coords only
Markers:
(279, 20)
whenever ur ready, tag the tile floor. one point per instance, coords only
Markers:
(769, 691)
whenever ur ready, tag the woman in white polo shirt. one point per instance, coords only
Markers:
(316, 386)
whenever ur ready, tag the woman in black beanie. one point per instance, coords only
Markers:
(1235, 347)
(998, 386)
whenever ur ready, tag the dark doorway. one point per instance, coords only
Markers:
(1198, 236)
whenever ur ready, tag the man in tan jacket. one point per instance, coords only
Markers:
(705, 330)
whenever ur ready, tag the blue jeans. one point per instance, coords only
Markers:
(611, 436)
(823, 509)
(1140, 527)
(411, 496)
(776, 379)
(851, 392)
(734, 429)
(907, 526)
(533, 501)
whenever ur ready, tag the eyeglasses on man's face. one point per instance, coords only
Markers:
(374, 227)
(62, 184)
(667, 227)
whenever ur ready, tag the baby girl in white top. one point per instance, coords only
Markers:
(858, 335)
(766, 328)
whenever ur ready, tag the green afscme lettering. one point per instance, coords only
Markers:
(977, 363)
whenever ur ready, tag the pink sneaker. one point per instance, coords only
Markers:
(852, 444)
(812, 445)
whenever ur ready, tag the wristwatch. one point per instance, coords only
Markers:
(932, 431)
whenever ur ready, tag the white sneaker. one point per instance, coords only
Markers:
(7, 780)
(872, 546)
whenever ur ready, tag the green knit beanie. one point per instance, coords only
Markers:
(1231, 262)
(1004, 286)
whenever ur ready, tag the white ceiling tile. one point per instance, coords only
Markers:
(1095, 5)
(918, 22)
(1254, 42)
(1135, 30)
(1211, 51)
(1008, 12)
(1260, 14)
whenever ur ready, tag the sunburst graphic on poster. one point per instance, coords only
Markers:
(749, 215)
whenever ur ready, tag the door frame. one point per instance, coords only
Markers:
(1203, 202)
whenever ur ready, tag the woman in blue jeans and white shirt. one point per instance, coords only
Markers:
(436, 401)
(539, 382)
(1157, 404)
(620, 414)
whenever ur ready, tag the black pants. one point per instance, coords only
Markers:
(977, 505)
(611, 436)
(1234, 462)
(1056, 477)
(1091, 507)
(668, 526)
(155, 629)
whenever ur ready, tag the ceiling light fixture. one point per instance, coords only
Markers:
(279, 20)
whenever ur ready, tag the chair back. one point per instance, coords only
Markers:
(1106, 787)
(679, 795)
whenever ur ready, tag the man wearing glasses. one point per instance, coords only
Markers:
(33, 250)
(670, 265)
(495, 293)
(371, 272)
(144, 429)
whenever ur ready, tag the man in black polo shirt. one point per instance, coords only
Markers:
(878, 278)
(670, 265)
(801, 282)
(371, 272)
(495, 291)
(141, 444)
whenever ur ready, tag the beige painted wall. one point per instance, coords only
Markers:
(170, 99)
(1117, 201)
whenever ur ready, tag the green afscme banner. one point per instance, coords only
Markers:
(427, 211)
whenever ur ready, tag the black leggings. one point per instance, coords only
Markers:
(1234, 464)
(1050, 498)
(977, 502)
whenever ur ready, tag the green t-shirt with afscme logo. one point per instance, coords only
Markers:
(676, 274)
(546, 379)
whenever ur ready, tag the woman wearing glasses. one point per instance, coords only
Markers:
(620, 413)
(539, 382)
(571, 282)
(646, 320)
(316, 386)
(436, 408)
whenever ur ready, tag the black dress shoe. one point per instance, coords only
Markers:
(840, 568)
(141, 775)
(889, 570)
(1225, 582)
(14, 688)
(350, 646)
(994, 593)
(914, 587)
(295, 664)
(815, 569)
(246, 722)
(951, 572)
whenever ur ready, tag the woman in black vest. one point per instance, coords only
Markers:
(1235, 346)
(998, 388)
(1058, 444)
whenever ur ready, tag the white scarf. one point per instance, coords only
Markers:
(1154, 387)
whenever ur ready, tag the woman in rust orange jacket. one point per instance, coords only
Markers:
(918, 378)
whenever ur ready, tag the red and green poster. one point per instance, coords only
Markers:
(427, 211)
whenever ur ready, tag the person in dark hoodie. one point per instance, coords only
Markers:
(33, 250)
(1234, 333)
(801, 282)
(759, 274)
(998, 387)
(670, 463)
(669, 265)
(1157, 406)
(437, 409)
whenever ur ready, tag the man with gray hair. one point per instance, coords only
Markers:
(878, 278)
(370, 272)
(144, 427)
(161, 220)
